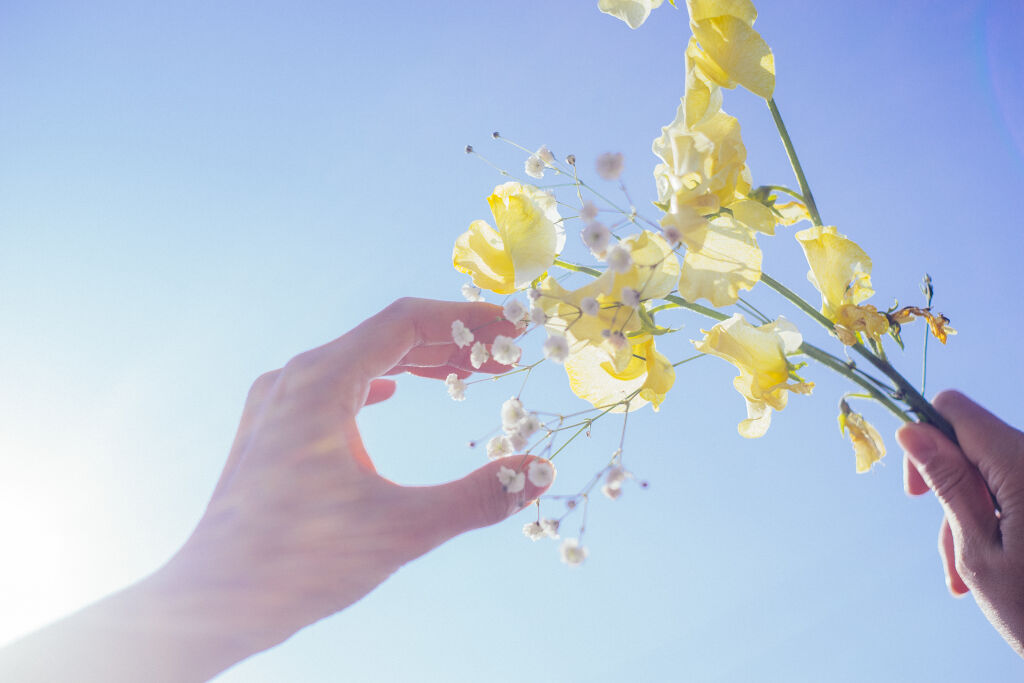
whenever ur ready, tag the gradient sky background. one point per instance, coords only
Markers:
(192, 194)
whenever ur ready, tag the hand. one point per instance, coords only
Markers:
(982, 552)
(300, 524)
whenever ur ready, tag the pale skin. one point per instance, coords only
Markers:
(982, 552)
(300, 524)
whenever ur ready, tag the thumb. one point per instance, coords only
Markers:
(956, 482)
(484, 497)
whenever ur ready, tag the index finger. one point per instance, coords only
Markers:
(380, 343)
(991, 445)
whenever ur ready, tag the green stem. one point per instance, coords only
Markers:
(794, 161)
(830, 361)
(577, 268)
(789, 191)
(696, 308)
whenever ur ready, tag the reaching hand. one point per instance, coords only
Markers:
(982, 552)
(300, 524)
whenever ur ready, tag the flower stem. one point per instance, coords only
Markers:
(830, 361)
(577, 268)
(794, 161)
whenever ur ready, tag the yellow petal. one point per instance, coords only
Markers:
(703, 96)
(655, 268)
(527, 221)
(792, 212)
(738, 51)
(759, 353)
(480, 253)
(633, 12)
(592, 377)
(754, 214)
(840, 269)
(868, 446)
(743, 10)
(728, 260)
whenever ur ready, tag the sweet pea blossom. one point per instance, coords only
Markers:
(593, 378)
(840, 269)
(868, 446)
(759, 353)
(528, 238)
(731, 52)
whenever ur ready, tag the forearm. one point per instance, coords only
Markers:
(175, 625)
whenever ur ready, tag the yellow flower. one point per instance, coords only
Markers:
(731, 51)
(840, 269)
(653, 273)
(759, 353)
(594, 379)
(703, 166)
(727, 261)
(528, 239)
(633, 12)
(851, 320)
(868, 446)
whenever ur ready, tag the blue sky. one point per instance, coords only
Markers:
(191, 194)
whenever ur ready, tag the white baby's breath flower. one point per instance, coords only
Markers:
(615, 476)
(534, 166)
(498, 447)
(556, 348)
(619, 259)
(533, 294)
(545, 155)
(589, 306)
(609, 165)
(514, 311)
(572, 552)
(533, 531)
(672, 235)
(596, 236)
(528, 425)
(540, 473)
(461, 334)
(538, 316)
(615, 339)
(611, 492)
(478, 355)
(630, 297)
(588, 212)
(505, 351)
(471, 292)
(513, 481)
(512, 411)
(550, 527)
(456, 387)
(518, 440)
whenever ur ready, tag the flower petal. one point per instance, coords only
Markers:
(729, 260)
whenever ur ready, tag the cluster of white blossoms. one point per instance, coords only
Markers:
(517, 425)
(538, 161)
